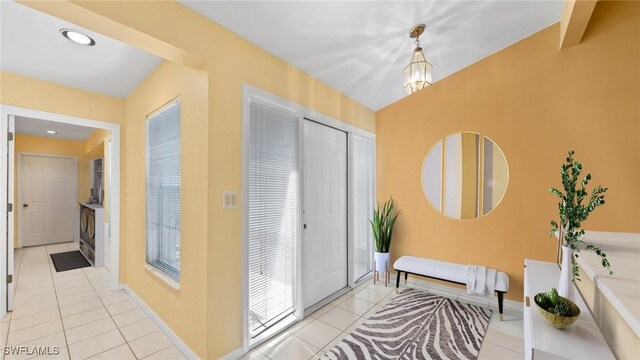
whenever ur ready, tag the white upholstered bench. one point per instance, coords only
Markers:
(445, 271)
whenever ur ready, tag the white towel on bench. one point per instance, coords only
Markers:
(480, 280)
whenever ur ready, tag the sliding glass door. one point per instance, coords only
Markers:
(272, 221)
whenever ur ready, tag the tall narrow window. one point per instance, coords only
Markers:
(272, 214)
(364, 202)
(163, 190)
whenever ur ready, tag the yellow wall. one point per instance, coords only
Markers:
(22, 91)
(45, 145)
(230, 61)
(84, 151)
(536, 102)
(96, 146)
(527, 92)
(183, 310)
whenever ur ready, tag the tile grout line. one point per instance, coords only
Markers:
(11, 319)
(6, 342)
(494, 343)
(15, 291)
(64, 333)
(513, 351)
(356, 291)
(360, 317)
(164, 348)
(28, 327)
(500, 346)
(114, 322)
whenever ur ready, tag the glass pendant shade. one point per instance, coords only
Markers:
(417, 75)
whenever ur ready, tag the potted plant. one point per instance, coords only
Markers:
(382, 227)
(573, 211)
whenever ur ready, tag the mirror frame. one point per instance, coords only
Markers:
(441, 141)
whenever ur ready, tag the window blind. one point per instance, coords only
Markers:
(272, 214)
(163, 190)
(364, 202)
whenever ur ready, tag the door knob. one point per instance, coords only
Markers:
(25, 205)
(304, 226)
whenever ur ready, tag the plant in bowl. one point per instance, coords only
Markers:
(558, 311)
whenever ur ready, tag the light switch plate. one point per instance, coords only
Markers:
(229, 199)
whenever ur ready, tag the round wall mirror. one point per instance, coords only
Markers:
(465, 175)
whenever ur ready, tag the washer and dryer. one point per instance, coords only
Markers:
(92, 239)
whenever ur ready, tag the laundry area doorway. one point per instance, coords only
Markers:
(54, 166)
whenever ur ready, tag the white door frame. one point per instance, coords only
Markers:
(10, 268)
(250, 93)
(18, 196)
(5, 112)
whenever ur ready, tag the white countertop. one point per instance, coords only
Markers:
(582, 340)
(93, 206)
(623, 288)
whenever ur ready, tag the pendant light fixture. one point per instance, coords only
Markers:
(417, 75)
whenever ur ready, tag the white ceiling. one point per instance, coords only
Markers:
(31, 45)
(361, 47)
(38, 127)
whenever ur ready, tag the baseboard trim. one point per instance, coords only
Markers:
(234, 355)
(184, 349)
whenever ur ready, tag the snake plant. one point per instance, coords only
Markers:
(382, 226)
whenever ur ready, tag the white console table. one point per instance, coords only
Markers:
(582, 340)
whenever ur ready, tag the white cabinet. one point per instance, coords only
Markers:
(92, 243)
(96, 180)
(582, 340)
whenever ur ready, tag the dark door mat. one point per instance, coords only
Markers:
(69, 260)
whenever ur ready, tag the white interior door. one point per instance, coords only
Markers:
(47, 209)
(324, 241)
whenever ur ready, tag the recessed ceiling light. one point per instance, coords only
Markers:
(51, 132)
(77, 37)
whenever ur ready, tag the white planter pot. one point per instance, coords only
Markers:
(565, 286)
(382, 261)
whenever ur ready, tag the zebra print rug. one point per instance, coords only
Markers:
(417, 325)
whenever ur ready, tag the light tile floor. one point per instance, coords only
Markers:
(76, 311)
(320, 331)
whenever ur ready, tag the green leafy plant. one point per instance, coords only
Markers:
(553, 303)
(382, 226)
(576, 203)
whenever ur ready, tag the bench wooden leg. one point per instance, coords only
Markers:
(405, 277)
(398, 280)
(500, 304)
